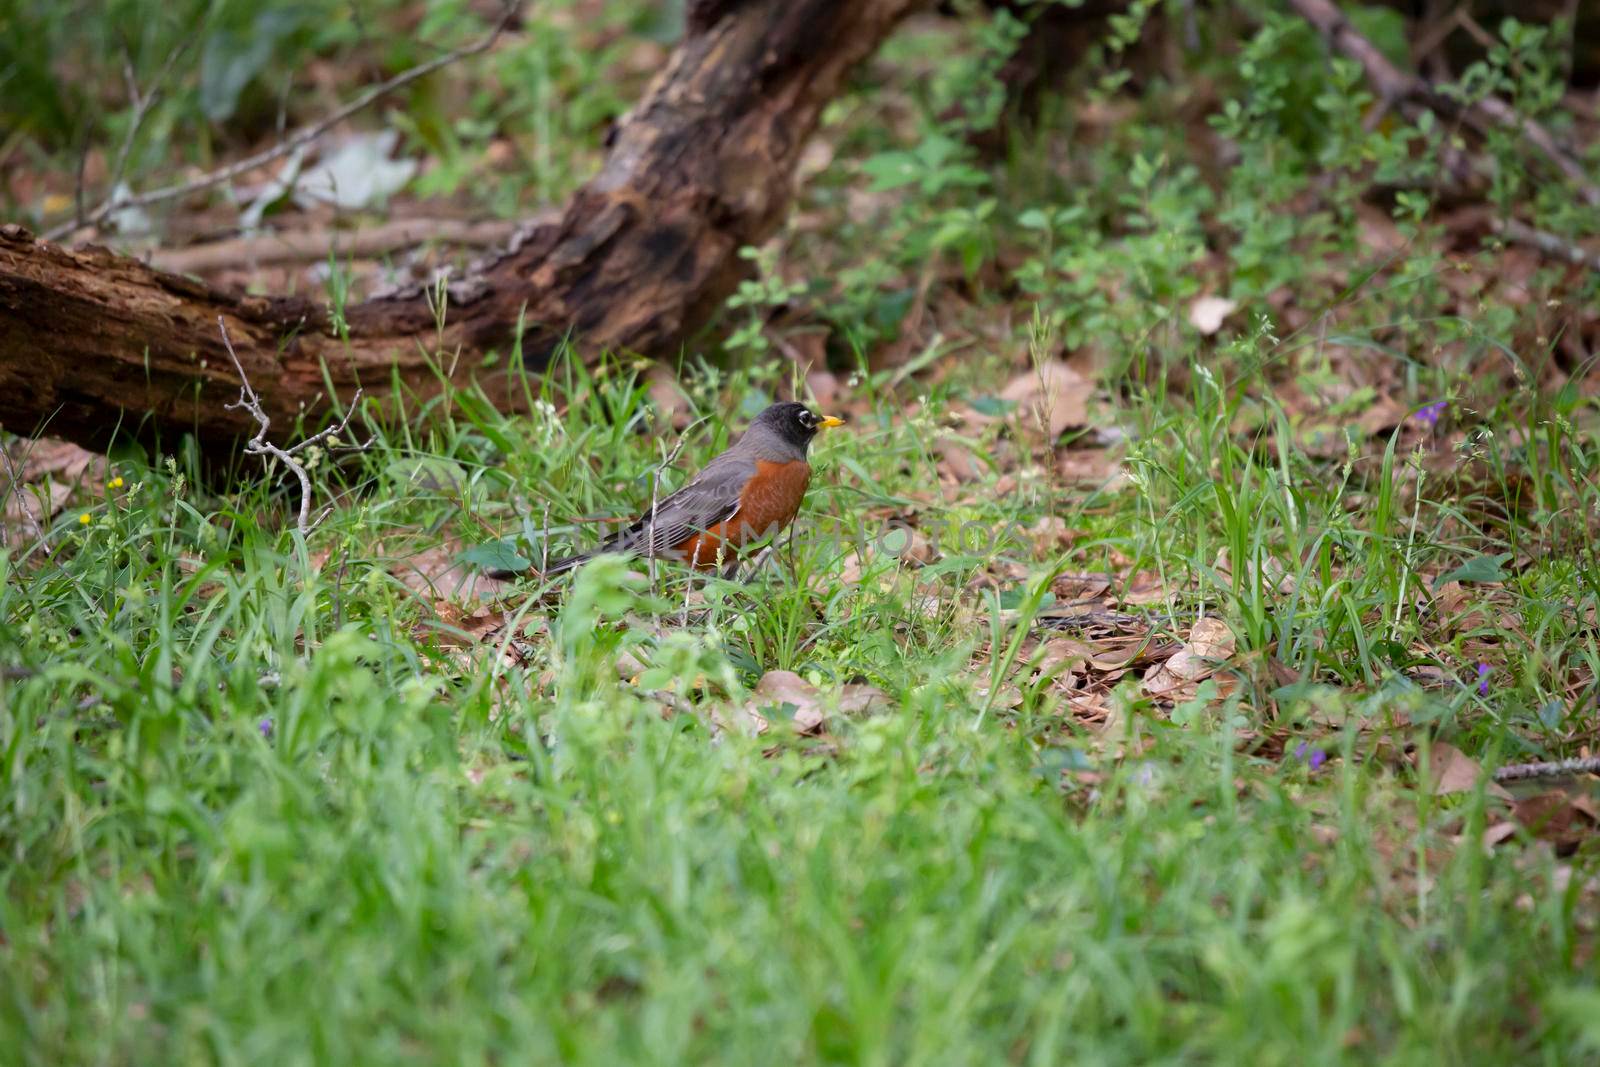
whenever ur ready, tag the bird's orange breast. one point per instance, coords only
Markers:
(769, 502)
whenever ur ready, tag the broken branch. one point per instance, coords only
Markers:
(260, 446)
(1412, 93)
(299, 139)
(312, 246)
(1514, 772)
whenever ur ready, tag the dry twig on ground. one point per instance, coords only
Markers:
(1550, 244)
(315, 245)
(14, 486)
(1412, 93)
(260, 446)
(1515, 772)
(298, 139)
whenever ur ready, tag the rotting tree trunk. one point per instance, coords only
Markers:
(640, 257)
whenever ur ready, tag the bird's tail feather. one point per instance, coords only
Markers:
(554, 567)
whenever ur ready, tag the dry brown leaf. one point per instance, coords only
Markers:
(437, 572)
(1144, 588)
(1090, 466)
(1210, 644)
(1565, 819)
(1453, 771)
(1383, 415)
(1110, 654)
(1072, 587)
(811, 704)
(29, 497)
(672, 407)
(1051, 394)
(1272, 571)
(957, 462)
(1005, 698)
(1378, 231)
(1211, 639)
(49, 456)
(824, 387)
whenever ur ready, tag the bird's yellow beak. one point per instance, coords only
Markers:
(829, 421)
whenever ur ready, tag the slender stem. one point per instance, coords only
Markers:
(298, 139)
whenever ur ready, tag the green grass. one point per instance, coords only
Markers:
(264, 801)
(431, 855)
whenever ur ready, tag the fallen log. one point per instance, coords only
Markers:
(91, 342)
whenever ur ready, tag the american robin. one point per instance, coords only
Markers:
(748, 492)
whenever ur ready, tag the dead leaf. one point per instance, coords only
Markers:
(438, 572)
(1382, 415)
(1210, 644)
(956, 461)
(858, 698)
(1005, 698)
(1069, 587)
(1109, 655)
(48, 456)
(1211, 639)
(1453, 771)
(29, 496)
(1091, 467)
(1144, 588)
(1208, 312)
(811, 705)
(824, 387)
(1565, 819)
(672, 407)
(1378, 232)
(1051, 394)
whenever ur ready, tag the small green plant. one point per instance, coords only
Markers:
(757, 297)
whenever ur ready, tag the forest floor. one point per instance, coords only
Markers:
(1129, 688)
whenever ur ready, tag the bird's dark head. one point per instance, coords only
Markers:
(793, 424)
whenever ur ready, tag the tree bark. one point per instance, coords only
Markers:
(91, 342)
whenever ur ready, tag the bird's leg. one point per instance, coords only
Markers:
(759, 560)
(732, 572)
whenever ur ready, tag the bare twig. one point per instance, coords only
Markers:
(1550, 244)
(1412, 93)
(311, 246)
(1516, 772)
(142, 103)
(259, 445)
(14, 486)
(299, 139)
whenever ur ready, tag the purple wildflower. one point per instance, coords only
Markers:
(265, 726)
(1483, 679)
(1314, 757)
(1429, 414)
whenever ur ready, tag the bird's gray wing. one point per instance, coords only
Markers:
(711, 497)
